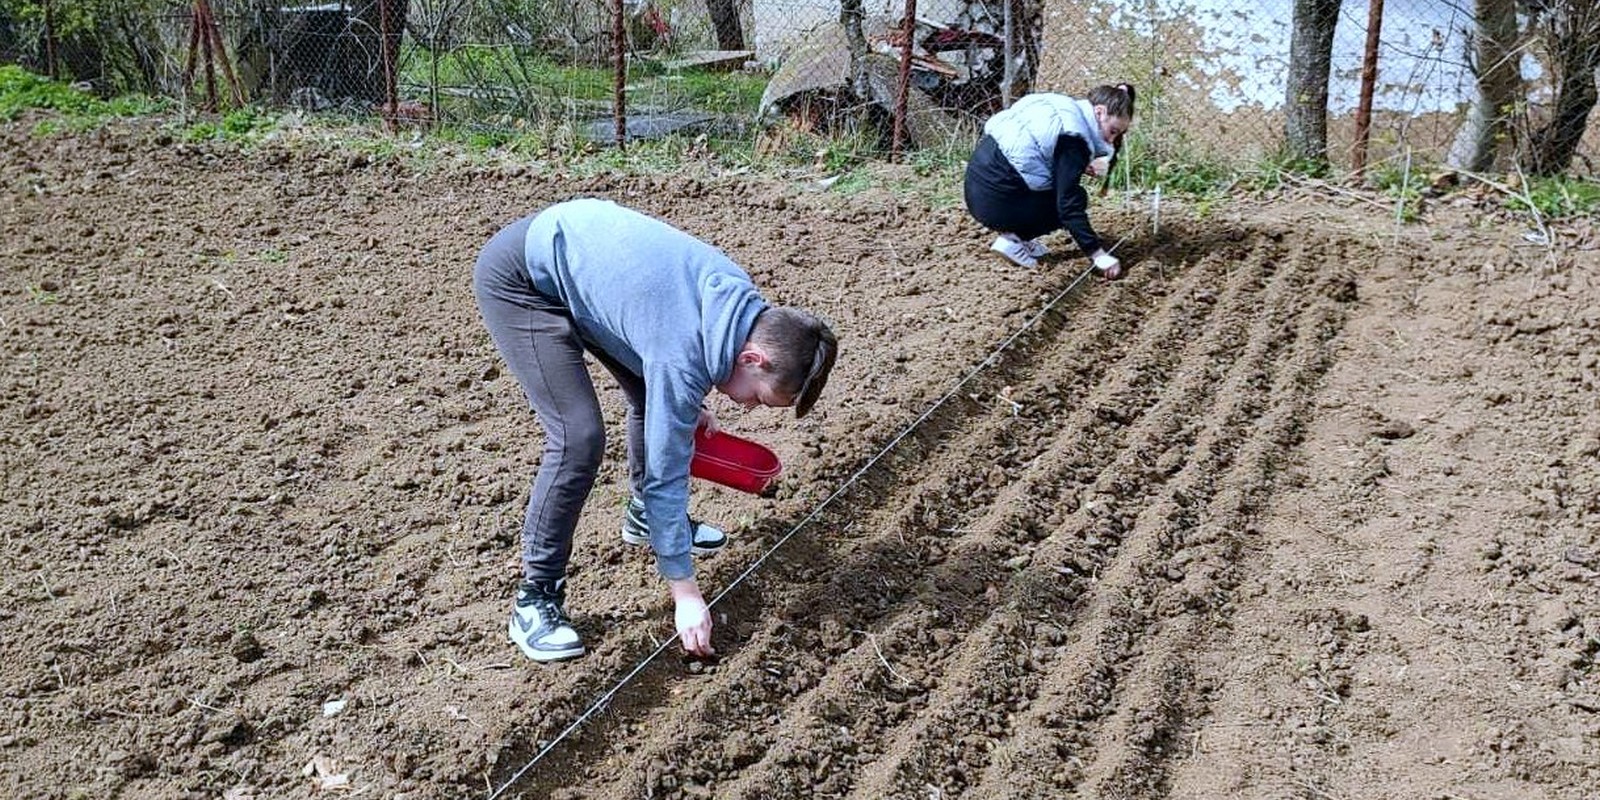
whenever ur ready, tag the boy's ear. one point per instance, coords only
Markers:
(752, 356)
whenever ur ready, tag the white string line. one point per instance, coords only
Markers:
(605, 698)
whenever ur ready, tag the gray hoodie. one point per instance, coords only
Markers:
(671, 308)
(1027, 133)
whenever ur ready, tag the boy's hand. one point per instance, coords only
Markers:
(708, 421)
(692, 617)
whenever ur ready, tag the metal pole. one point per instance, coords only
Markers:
(1369, 77)
(620, 80)
(388, 65)
(433, 78)
(215, 33)
(909, 26)
(1011, 68)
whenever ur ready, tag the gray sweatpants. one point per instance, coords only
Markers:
(536, 337)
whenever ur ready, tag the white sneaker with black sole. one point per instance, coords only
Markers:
(1016, 250)
(708, 539)
(539, 626)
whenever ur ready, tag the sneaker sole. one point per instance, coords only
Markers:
(641, 541)
(548, 656)
(1013, 262)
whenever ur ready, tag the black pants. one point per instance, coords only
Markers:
(536, 337)
(1000, 200)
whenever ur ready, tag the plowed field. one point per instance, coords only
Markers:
(1308, 506)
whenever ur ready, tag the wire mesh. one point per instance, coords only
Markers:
(1212, 74)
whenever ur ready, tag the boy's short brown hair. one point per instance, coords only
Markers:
(800, 351)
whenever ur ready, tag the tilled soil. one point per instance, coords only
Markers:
(1307, 506)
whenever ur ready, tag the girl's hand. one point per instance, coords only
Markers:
(1109, 266)
(1100, 166)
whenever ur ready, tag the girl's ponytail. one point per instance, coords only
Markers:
(1118, 101)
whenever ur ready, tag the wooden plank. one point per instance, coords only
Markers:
(716, 60)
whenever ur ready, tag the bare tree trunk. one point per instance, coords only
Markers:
(1369, 77)
(1573, 36)
(851, 16)
(725, 18)
(1487, 129)
(1310, 62)
(143, 75)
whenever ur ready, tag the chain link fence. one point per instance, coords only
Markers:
(1212, 74)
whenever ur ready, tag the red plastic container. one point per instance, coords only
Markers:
(734, 462)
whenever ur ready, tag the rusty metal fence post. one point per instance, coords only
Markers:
(387, 55)
(1369, 78)
(205, 38)
(903, 85)
(619, 48)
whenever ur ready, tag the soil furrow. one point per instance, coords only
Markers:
(1151, 719)
(978, 539)
(1149, 434)
(1159, 576)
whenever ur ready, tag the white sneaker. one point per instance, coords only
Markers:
(1035, 248)
(707, 539)
(539, 626)
(1015, 249)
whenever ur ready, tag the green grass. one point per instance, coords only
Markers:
(1557, 198)
(42, 296)
(529, 79)
(518, 68)
(719, 92)
(21, 90)
(1153, 158)
(1402, 183)
(947, 160)
(239, 125)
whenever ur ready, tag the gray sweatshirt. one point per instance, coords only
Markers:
(667, 306)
